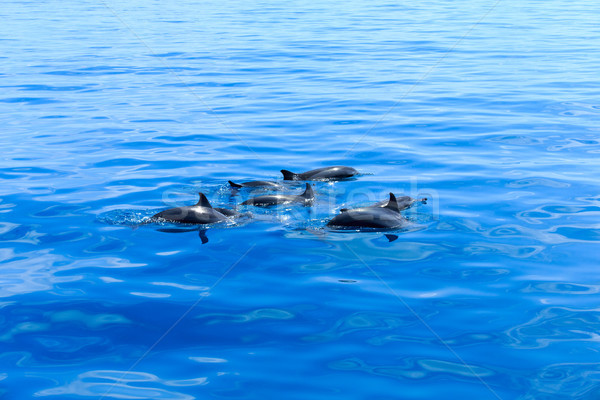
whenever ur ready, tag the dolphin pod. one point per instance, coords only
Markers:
(383, 215)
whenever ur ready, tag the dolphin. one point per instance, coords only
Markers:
(253, 184)
(201, 213)
(404, 202)
(320, 174)
(386, 217)
(228, 212)
(305, 199)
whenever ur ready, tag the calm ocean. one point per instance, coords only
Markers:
(114, 110)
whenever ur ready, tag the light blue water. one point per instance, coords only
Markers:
(112, 111)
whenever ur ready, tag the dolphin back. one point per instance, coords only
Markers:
(326, 173)
(227, 212)
(191, 215)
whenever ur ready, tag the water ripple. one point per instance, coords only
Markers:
(363, 321)
(120, 384)
(565, 381)
(554, 325)
(100, 131)
(412, 368)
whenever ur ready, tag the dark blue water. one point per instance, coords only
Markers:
(112, 111)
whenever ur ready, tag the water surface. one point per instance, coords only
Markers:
(114, 111)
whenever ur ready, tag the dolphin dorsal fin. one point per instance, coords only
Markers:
(393, 204)
(234, 185)
(308, 193)
(203, 201)
(288, 175)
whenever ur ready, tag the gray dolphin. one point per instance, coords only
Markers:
(404, 202)
(386, 217)
(228, 212)
(305, 199)
(201, 213)
(320, 174)
(254, 184)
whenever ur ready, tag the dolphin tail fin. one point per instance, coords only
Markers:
(393, 204)
(423, 200)
(234, 185)
(203, 201)
(289, 175)
(308, 193)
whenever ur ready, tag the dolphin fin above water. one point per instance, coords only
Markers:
(392, 203)
(235, 185)
(404, 202)
(308, 192)
(203, 201)
(289, 175)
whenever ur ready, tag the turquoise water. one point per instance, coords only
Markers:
(113, 111)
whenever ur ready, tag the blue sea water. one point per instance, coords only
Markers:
(112, 111)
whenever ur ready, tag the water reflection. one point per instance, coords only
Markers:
(566, 288)
(123, 384)
(364, 321)
(41, 270)
(554, 325)
(414, 368)
(32, 271)
(565, 381)
(251, 316)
